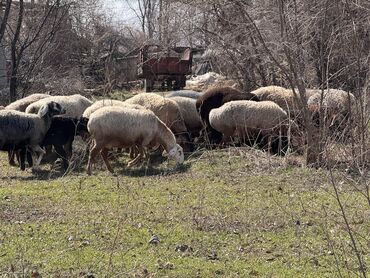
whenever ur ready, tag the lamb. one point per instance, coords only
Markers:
(184, 93)
(19, 130)
(190, 114)
(167, 111)
(214, 98)
(75, 105)
(115, 126)
(62, 132)
(21, 104)
(107, 102)
(244, 118)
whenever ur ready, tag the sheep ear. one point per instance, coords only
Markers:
(44, 110)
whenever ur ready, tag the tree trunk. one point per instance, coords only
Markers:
(14, 58)
(4, 19)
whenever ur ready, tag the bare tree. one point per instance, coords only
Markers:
(35, 30)
(4, 18)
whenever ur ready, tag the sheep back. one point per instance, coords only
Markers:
(243, 115)
(281, 96)
(75, 105)
(21, 104)
(215, 97)
(108, 102)
(167, 110)
(115, 126)
(184, 93)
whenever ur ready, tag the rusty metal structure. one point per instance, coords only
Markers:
(167, 67)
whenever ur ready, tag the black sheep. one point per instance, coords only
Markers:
(61, 135)
(20, 149)
(214, 98)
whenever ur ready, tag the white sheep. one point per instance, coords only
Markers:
(115, 126)
(107, 102)
(246, 118)
(189, 113)
(21, 104)
(75, 105)
(165, 109)
(335, 104)
(168, 111)
(19, 130)
(332, 99)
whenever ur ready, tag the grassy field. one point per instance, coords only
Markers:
(225, 213)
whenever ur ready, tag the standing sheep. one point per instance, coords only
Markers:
(214, 98)
(167, 111)
(19, 130)
(75, 105)
(335, 107)
(244, 118)
(21, 105)
(123, 127)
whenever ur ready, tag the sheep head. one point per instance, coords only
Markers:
(51, 108)
(177, 154)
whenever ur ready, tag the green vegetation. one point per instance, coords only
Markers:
(225, 213)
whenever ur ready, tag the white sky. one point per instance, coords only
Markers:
(121, 12)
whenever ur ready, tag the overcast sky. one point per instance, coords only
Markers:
(121, 12)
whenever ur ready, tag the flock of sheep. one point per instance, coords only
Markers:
(149, 121)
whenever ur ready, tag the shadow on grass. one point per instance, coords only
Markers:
(37, 174)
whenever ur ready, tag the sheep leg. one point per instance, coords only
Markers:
(22, 158)
(133, 152)
(93, 153)
(40, 151)
(62, 154)
(104, 155)
(134, 161)
(11, 155)
(29, 158)
(68, 148)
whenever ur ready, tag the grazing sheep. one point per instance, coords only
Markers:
(190, 114)
(168, 111)
(62, 132)
(184, 93)
(2, 107)
(19, 130)
(107, 102)
(21, 104)
(214, 98)
(246, 118)
(336, 106)
(115, 126)
(75, 105)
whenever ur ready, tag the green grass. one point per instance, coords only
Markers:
(241, 213)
